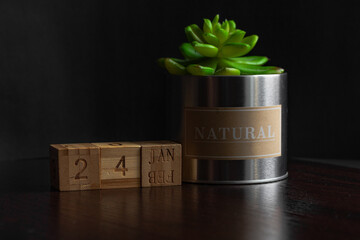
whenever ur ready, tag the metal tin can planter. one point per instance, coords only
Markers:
(233, 128)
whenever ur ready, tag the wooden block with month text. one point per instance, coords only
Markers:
(119, 164)
(74, 166)
(160, 163)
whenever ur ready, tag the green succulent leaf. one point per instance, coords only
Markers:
(189, 52)
(251, 69)
(225, 25)
(251, 40)
(190, 35)
(197, 69)
(209, 62)
(215, 21)
(232, 25)
(227, 71)
(252, 60)
(230, 50)
(221, 34)
(211, 39)
(186, 62)
(174, 67)
(207, 27)
(161, 62)
(194, 33)
(236, 37)
(206, 50)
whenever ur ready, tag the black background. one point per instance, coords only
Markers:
(85, 71)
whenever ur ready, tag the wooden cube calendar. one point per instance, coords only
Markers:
(74, 166)
(160, 163)
(119, 164)
(85, 166)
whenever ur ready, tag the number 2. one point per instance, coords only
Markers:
(84, 163)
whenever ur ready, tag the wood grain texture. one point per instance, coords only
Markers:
(160, 163)
(317, 201)
(75, 166)
(119, 164)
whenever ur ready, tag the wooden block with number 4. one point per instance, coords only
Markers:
(119, 164)
(160, 163)
(74, 166)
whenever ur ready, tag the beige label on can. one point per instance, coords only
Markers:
(233, 133)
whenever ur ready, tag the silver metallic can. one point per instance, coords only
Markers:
(233, 128)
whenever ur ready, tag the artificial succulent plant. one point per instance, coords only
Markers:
(217, 49)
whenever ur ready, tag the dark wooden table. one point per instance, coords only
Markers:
(317, 201)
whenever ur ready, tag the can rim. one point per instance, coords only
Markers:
(253, 181)
(233, 76)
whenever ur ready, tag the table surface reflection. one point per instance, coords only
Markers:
(317, 201)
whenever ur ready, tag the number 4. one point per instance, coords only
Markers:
(120, 167)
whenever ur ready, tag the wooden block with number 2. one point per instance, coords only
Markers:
(74, 166)
(119, 164)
